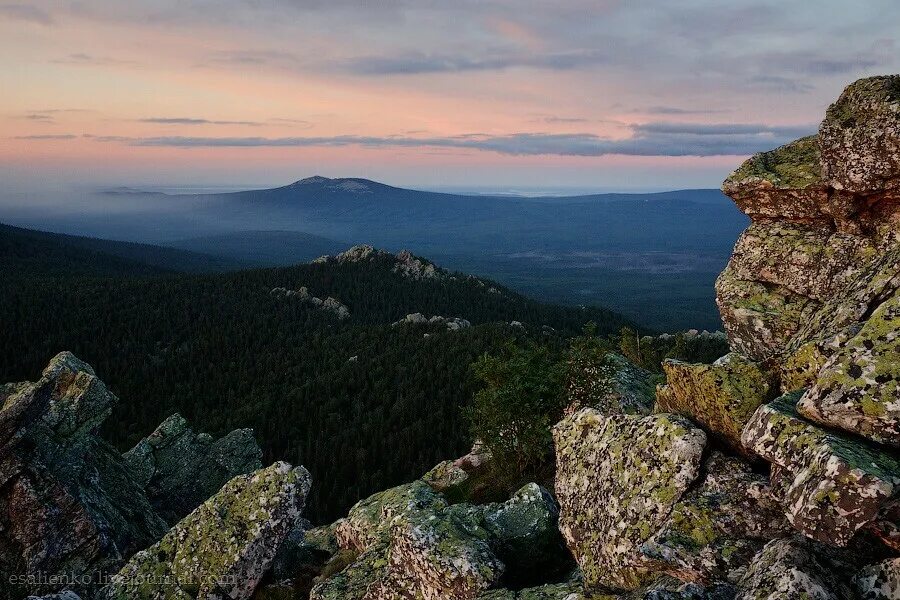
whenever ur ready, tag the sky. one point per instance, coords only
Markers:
(499, 94)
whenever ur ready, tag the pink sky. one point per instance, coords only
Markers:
(471, 95)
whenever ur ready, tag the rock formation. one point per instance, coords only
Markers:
(329, 304)
(452, 323)
(179, 469)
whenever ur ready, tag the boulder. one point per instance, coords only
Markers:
(668, 588)
(67, 595)
(714, 531)
(792, 568)
(880, 581)
(618, 478)
(524, 535)
(721, 397)
(858, 388)
(831, 484)
(445, 557)
(859, 139)
(224, 547)
(370, 519)
(179, 469)
(69, 507)
(554, 591)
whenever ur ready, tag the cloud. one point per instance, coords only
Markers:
(418, 63)
(24, 12)
(47, 137)
(677, 110)
(651, 139)
(193, 121)
(80, 58)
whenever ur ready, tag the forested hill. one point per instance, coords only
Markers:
(29, 252)
(363, 403)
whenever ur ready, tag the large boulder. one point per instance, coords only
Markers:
(69, 507)
(822, 250)
(858, 388)
(721, 397)
(832, 485)
(179, 468)
(224, 547)
(716, 529)
(618, 478)
(792, 568)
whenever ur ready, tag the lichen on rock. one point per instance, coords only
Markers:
(225, 546)
(880, 581)
(617, 479)
(721, 397)
(833, 484)
(858, 388)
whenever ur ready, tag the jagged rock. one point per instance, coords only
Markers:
(880, 581)
(858, 389)
(67, 595)
(68, 505)
(792, 568)
(617, 479)
(223, 548)
(860, 137)
(370, 518)
(470, 478)
(613, 386)
(833, 485)
(887, 527)
(179, 468)
(524, 535)
(304, 553)
(721, 397)
(714, 531)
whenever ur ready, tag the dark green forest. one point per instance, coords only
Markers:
(362, 404)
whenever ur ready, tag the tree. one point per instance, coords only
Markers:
(521, 399)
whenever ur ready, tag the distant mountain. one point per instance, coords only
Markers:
(25, 251)
(263, 248)
(625, 250)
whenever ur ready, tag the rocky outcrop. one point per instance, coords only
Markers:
(618, 478)
(452, 323)
(404, 262)
(329, 304)
(224, 547)
(792, 568)
(822, 251)
(832, 485)
(721, 397)
(179, 468)
(69, 506)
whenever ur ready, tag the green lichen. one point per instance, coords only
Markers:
(794, 165)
